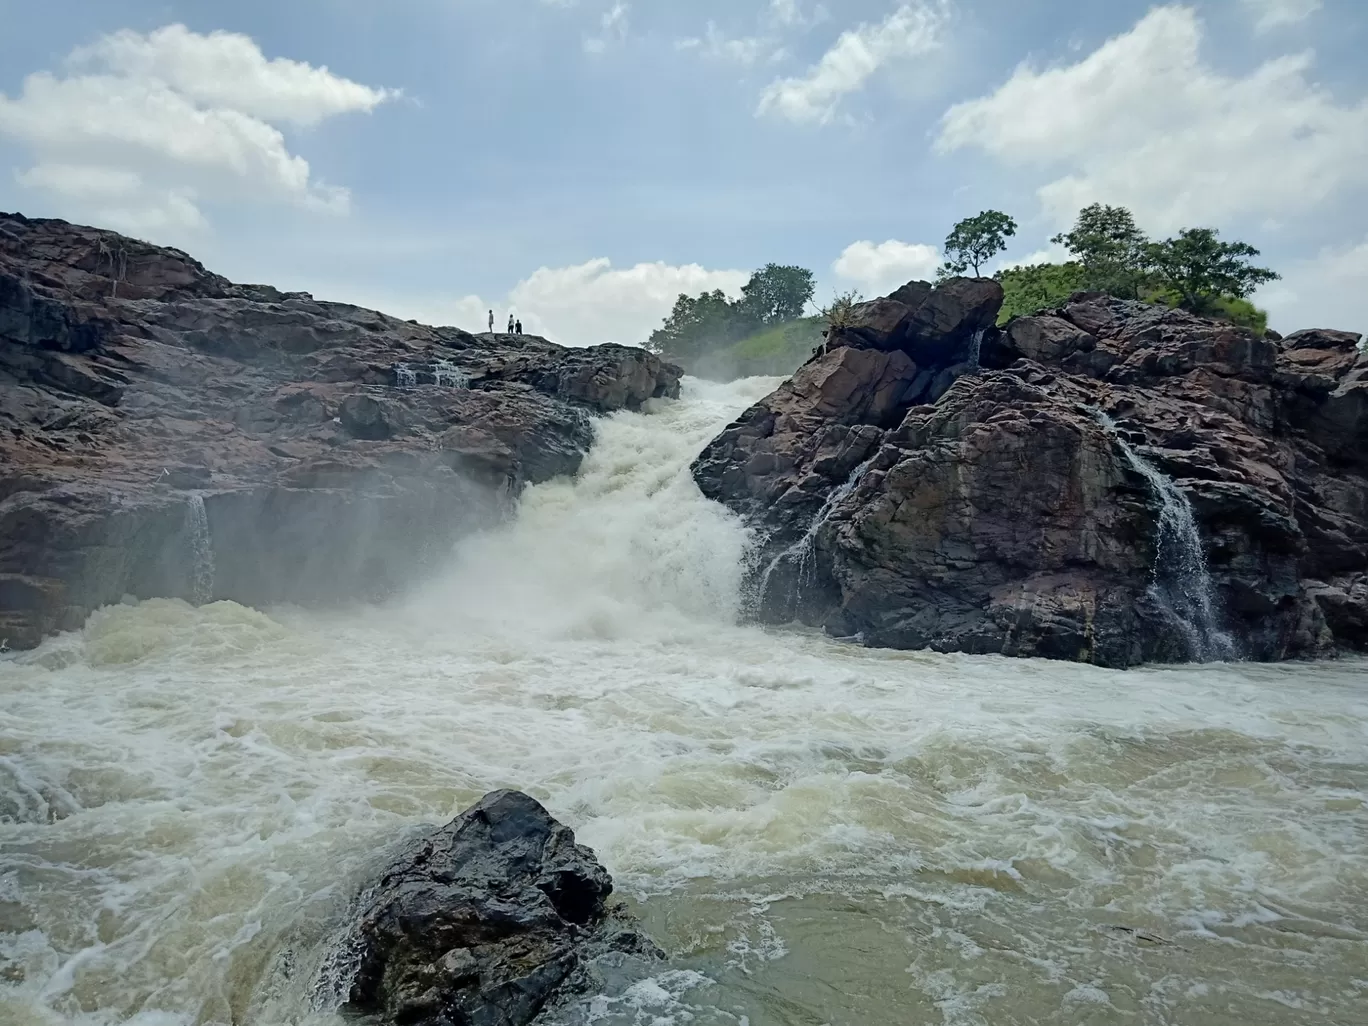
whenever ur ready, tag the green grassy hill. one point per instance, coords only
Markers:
(776, 351)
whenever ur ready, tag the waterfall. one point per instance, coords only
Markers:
(404, 376)
(803, 551)
(201, 553)
(976, 347)
(1181, 582)
(448, 374)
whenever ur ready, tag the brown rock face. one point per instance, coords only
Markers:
(338, 452)
(1117, 483)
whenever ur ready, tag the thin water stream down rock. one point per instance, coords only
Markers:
(930, 480)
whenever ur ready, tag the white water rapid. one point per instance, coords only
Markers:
(817, 833)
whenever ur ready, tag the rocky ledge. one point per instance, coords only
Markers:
(165, 432)
(488, 921)
(1111, 482)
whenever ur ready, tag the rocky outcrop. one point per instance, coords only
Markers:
(338, 452)
(1110, 482)
(487, 922)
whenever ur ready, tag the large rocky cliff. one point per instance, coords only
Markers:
(165, 432)
(1110, 482)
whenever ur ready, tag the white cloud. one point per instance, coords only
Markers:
(1143, 122)
(1324, 292)
(1271, 14)
(582, 305)
(227, 70)
(1052, 254)
(912, 29)
(880, 269)
(613, 28)
(156, 122)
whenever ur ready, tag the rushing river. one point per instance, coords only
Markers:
(817, 833)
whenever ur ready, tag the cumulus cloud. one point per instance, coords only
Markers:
(1271, 14)
(814, 98)
(141, 127)
(1144, 122)
(1323, 292)
(880, 269)
(582, 305)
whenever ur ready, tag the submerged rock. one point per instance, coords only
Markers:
(1114, 483)
(488, 921)
(336, 449)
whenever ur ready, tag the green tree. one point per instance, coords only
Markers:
(1200, 271)
(776, 294)
(696, 325)
(1111, 251)
(1028, 290)
(975, 241)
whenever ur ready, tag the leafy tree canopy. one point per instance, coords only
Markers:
(1199, 269)
(1028, 290)
(975, 241)
(776, 294)
(1195, 271)
(1110, 250)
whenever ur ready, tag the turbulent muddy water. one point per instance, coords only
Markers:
(817, 833)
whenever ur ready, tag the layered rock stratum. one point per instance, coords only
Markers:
(166, 432)
(1111, 482)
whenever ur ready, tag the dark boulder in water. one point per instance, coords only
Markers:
(488, 921)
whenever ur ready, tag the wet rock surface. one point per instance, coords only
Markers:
(916, 498)
(338, 451)
(490, 921)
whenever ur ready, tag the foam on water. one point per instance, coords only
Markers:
(191, 798)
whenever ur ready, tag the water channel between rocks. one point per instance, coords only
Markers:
(817, 833)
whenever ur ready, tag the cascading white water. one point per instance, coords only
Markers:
(201, 552)
(1182, 582)
(803, 551)
(405, 376)
(448, 375)
(190, 798)
(976, 348)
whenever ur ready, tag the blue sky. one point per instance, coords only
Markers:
(583, 161)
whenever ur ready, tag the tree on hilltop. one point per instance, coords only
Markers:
(975, 241)
(777, 293)
(1110, 249)
(1197, 269)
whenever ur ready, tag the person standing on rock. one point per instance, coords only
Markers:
(518, 326)
(510, 324)
(491, 322)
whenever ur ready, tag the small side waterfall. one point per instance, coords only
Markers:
(201, 553)
(802, 552)
(976, 348)
(449, 375)
(1181, 581)
(404, 376)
